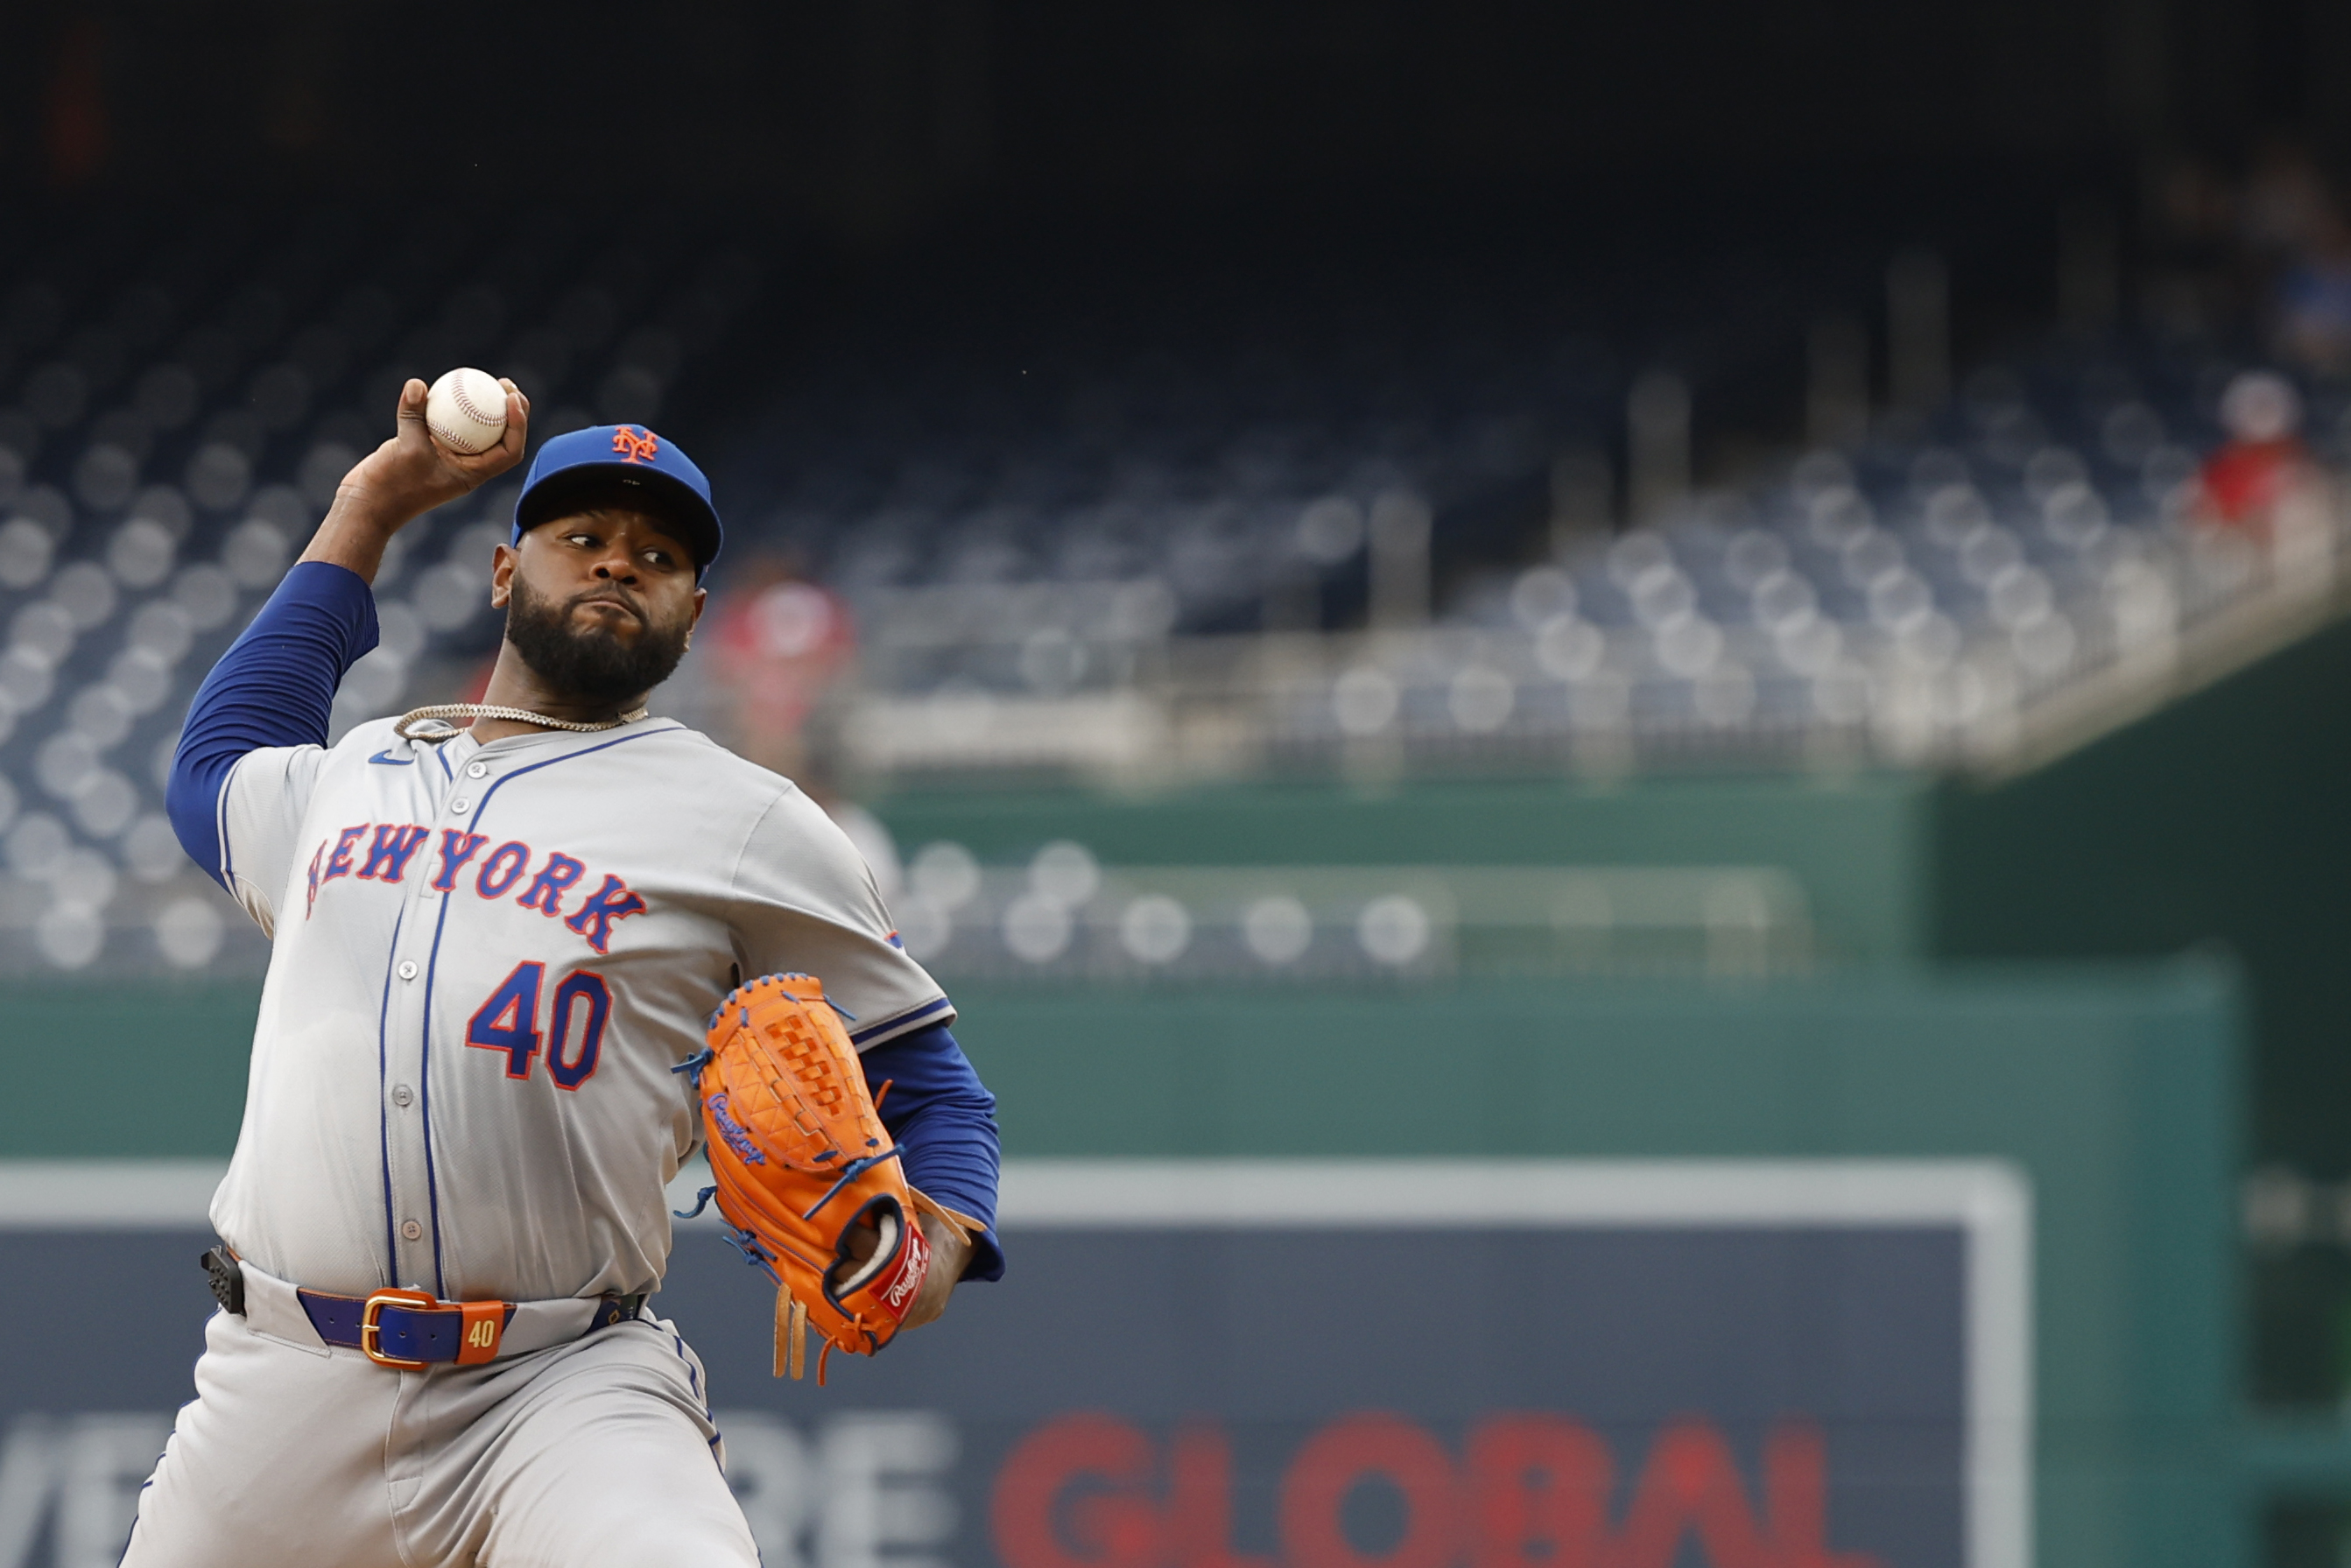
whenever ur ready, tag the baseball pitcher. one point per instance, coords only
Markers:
(517, 970)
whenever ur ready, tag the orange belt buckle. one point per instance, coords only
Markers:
(371, 1329)
(481, 1325)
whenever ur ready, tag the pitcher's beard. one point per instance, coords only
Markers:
(590, 666)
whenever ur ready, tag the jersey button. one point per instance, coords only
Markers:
(408, 968)
(478, 770)
(459, 805)
(400, 1094)
(411, 1230)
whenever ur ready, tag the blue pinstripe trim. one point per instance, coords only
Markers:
(383, 1120)
(693, 1380)
(227, 871)
(913, 1016)
(433, 969)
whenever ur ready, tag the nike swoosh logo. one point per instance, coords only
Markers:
(389, 761)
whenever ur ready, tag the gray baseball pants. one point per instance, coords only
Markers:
(597, 1451)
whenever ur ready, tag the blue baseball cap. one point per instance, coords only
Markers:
(621, 465)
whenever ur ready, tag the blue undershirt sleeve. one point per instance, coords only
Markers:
(275, 686)
(945, 1118)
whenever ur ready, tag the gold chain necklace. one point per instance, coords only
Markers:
(432, 727)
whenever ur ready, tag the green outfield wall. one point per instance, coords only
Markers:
(92, 1072)
(2221, 821)
(2113, 1089)
(1855, 841)
(2225, 819)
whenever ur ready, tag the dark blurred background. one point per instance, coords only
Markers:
(1687, 185)
(958, 169)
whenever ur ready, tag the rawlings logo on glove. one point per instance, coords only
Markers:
(805, 1173)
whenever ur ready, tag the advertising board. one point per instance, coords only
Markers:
(1780, 1363)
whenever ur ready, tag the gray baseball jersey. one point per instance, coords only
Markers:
(487, 960)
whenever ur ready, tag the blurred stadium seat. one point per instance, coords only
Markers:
(1164, 566)
(184, 402)
(1908, 601)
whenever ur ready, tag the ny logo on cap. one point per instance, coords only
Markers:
(634, 445)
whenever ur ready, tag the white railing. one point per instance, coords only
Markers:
(1065, 918)
(2158, 610)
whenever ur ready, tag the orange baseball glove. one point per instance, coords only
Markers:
(803, 1166)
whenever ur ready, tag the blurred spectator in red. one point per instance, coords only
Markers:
(778, 643)
(2263, 464)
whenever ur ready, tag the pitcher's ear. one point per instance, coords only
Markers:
(503, 566)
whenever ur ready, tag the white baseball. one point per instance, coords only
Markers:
(466, 411)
